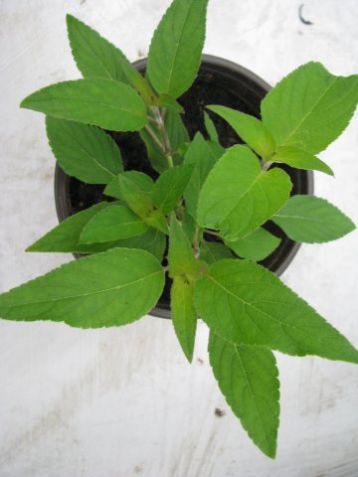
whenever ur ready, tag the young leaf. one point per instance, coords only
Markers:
(96, 57)
(167, 101)
(65, 236)
(184, 314)
(211, 252)
(140, 179)
(248, 378)
(180, 255)
(311, 219)
(133, 188)
(251, 130)
(176, 47)
(203, 158)
(210, 128)
(300, 160)
(237, 197)
(108, 289)
(177, 132)
(113, 223)
(105, 103)
(310, 107)
(247, 304)
(189, 225)
(83, 151)
(170, 187)
(256, 246)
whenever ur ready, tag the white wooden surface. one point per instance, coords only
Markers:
(123, 402)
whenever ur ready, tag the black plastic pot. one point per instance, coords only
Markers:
(219, 82)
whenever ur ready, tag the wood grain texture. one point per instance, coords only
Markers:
(124, 402)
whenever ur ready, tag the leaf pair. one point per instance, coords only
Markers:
(301, 116)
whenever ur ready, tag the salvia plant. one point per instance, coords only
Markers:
(202, 191)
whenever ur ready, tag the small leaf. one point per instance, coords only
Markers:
(203, 158)
(96, 57)
(211, 252)
(310, 108)
(133, 188)
(176, 47)
(256, 246)
(153, 241)
(180, 256)
(245, 303)
(184, 314)
(251, 130)
(189, 225)
(170, 187)
(300, 160)
(210, 128)
(248, 378)
(312, 220)
(113, 223)
(108, 289)
(176, 130)
(65, 236)
(238, 197)
(83, 151)
(167, 101)
(105, 103)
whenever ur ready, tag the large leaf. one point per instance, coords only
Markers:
(180, 256)
(140, 179)
(170, 187)
(183, 314)
(65, 236)
(251, 130)
(211, 252)
(202, 156)
(256, 246)
(238, 196)
(247, 304)
(113, 223)
(108, 289)
(96, 57)
(84, 151)
(248, 378)
(175, 51)
(310, 107)
(312, 219)
(300, 160)
(105, 103)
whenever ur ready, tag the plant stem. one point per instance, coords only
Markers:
(155, 138)
(211, 232)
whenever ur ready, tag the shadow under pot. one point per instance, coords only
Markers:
(219, 82)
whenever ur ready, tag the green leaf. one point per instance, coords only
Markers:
(140, 179)
(108, 289)
(170, 187)
(256, 246)
(134, 188)
(167, 101)
(96, 57)
(183, 314)
(246, 304)
(310, 108)
(176, 130)
(83, 151)
(105, 103)
(210, 128)
(248, 378)
(175, 51)
(312, 219)
(300, 160)
(65, 236)
(113, 223)
(203, 157)
(238, 197)
(153, 241)
(189, 225)
(251, 130)
(180, 255)
(211, 252)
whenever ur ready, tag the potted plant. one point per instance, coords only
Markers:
(189, 225)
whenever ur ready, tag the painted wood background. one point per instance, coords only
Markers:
(123, 402)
